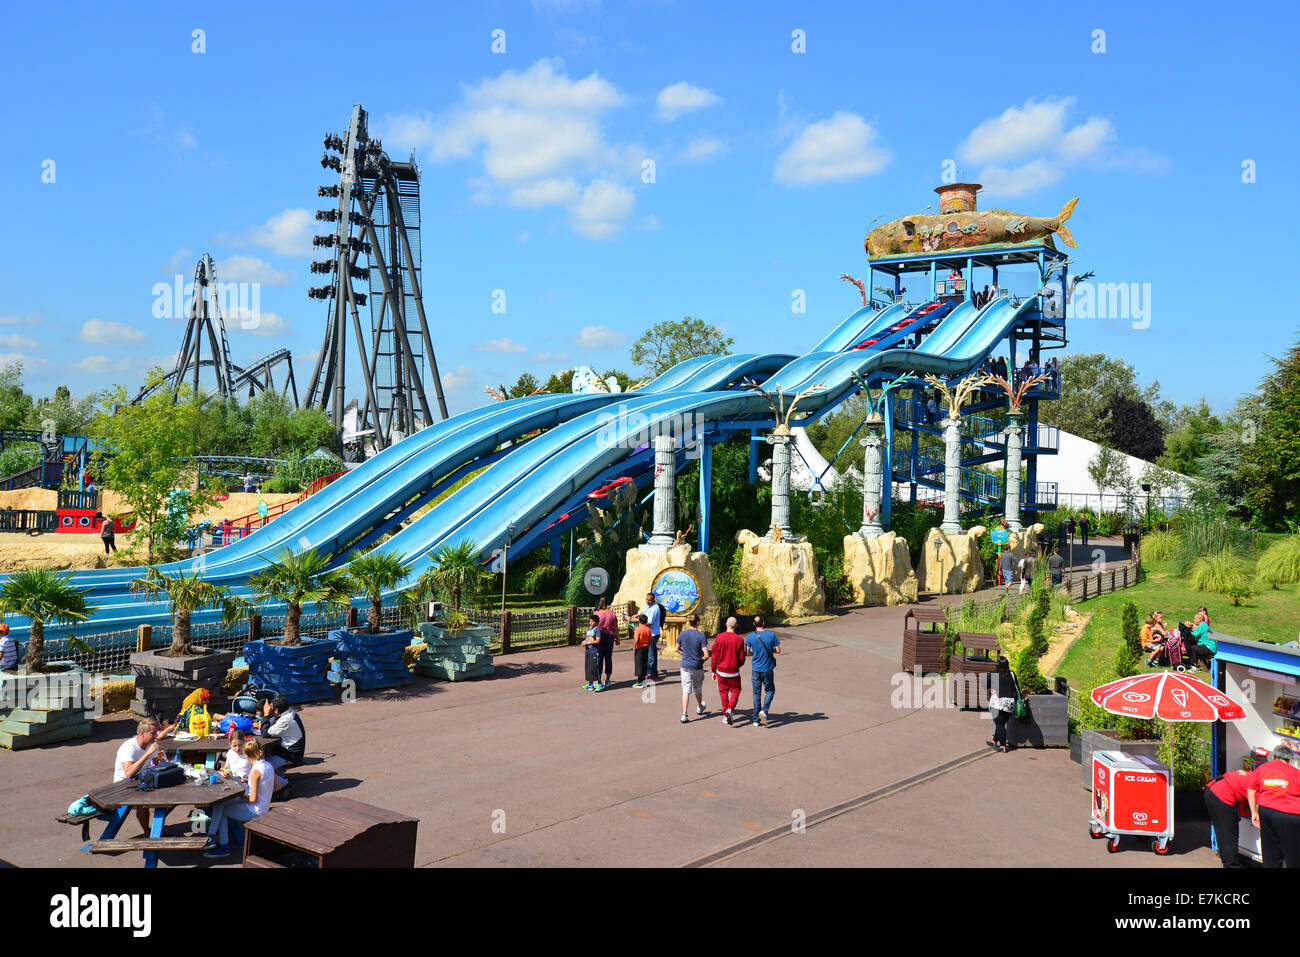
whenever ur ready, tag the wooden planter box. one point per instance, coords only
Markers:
(163, 682)
(1094, 740)
(371, 661)
(1047, 725)
(44, 708)
(299, 672)
(455, 656)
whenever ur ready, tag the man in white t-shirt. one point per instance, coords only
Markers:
(136, 754)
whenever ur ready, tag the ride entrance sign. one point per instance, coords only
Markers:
(1000, 536)
(677, 590)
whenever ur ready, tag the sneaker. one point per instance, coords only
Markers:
(218, 850)
(762, 718)
(701, 709)
(754, 722)
(598, 687)
(726, 717)
(209, 844)
(636, 684)
(588, 686)
(685, 719)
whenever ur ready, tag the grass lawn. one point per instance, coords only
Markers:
(1272, 615)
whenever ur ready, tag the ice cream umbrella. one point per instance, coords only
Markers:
(1168, 695)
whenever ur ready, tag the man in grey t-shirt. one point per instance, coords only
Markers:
(695, 651)
(1056, 566)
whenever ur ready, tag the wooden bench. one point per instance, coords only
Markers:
(82, 819)
(116, 845)
(925, 646)
(329, 831)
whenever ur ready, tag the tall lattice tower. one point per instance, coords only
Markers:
(378, 216)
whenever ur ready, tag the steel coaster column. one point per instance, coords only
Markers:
(970, 278)
(556, 557)
(706, 491)
(951, 475)
(1011, 474)
(664, 535)
(916, 445)
(887, 490)
(754, 439)
(871, 479)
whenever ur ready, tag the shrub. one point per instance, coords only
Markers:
(1129, 652)
(20, 458)
(1280, 565)
(1161, 546)
(979, 617)
(1190, 772)
(1028, 676)
(1039, 604)
(1224, 573)
(545, 580)
(838, 589)
(1206, 530)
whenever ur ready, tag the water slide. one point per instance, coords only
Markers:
(581, 441)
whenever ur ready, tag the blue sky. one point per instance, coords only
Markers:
(768, 165)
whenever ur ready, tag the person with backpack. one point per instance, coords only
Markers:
(763, 647)
(654, 613)
(1004, 695)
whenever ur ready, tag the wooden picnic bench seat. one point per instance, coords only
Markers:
(82, 819)
(116, 845)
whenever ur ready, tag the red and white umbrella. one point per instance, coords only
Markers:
(1168, 695)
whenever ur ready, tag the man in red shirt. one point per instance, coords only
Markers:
(728, 656)
(1225, 799)
(1274, 796)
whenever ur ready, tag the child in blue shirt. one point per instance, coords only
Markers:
(591, 649)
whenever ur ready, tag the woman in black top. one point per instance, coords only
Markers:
(1004, 692)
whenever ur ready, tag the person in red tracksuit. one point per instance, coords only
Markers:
(1274, 796)
(728, 656)
(1225, 799)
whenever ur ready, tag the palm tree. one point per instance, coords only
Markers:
(188, 593)
(456, 571)
(42, 595)
(299, 578)
(374, 573)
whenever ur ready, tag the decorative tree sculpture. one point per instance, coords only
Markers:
(1011, 474)
(780, 442)
(873, 467)
(955, 397)
(862, 286)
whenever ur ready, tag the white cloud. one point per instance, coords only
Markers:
(252, 269)
(287, 233)
(97, 365)
(649, 224)
(13, 319)
(258, 323)
(603, 209)
(504, 346)
(117, 334)
(180, 262)
(1019, 131)
(29, 362)
(1039, 136)
(600, 337)
(15, 341)
(841, 148)
(703, 148)
(547, 192)
(681, 98)
(550, 357)
(538, 136)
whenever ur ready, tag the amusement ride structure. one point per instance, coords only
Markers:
(548, 452)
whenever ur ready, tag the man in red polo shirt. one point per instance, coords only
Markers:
(1274, 796)
(1225, 799)
(728, 655)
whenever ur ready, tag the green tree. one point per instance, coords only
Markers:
(43, 596)
(139, 457)
(188, 592)
(456, 572)
(1190, 439)
(1088, 380)
(525, 385)
(61, 413)
(667, 343)
(373, 574)
(1129, 652)
(1272, 461)
(15, 404)
(1108, 469)
(300, 578)
(560, 382)
(1132, 428)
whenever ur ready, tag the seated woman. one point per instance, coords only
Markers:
(1199, 645)
(252, 804)
(1152, 638)
(237, 764)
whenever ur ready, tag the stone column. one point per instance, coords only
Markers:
(664, 534)
(781, 488)
(1011, 477)
(951, 475)
(872, 471)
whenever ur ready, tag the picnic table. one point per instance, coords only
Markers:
(209, 746)
(120, 798)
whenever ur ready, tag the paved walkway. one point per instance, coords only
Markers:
(528, 769)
